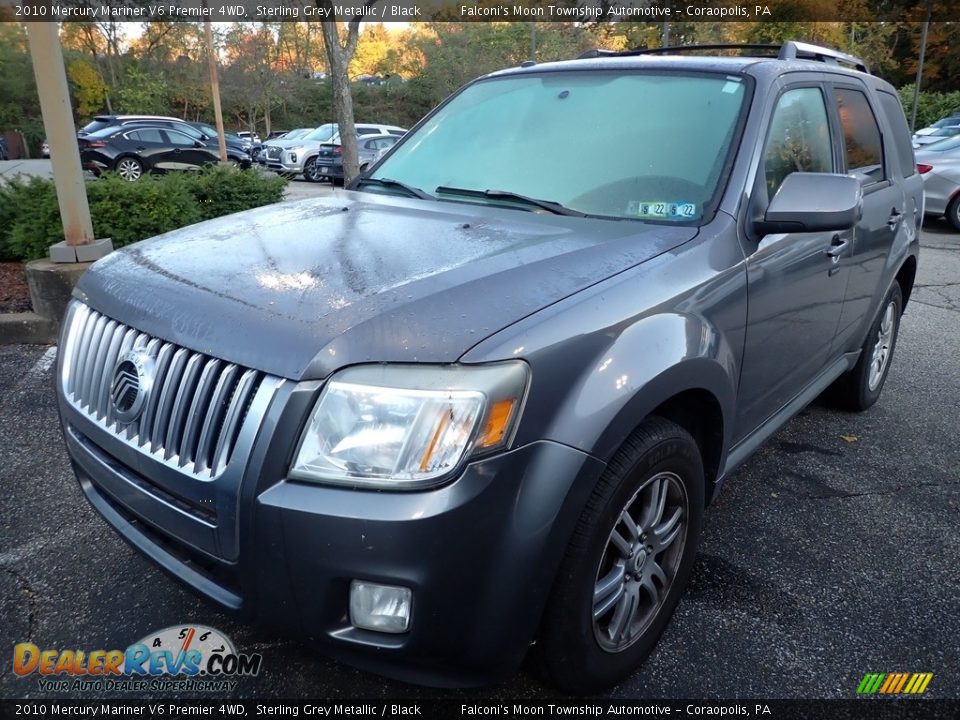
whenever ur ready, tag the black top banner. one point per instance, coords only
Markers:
(584, 11)
(432, 709)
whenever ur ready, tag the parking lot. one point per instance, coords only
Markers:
(831, 553)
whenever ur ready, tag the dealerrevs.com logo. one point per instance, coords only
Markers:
(180, 657)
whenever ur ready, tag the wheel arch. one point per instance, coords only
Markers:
(134, 156)
(905, 277)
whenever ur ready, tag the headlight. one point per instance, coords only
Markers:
(407, 426)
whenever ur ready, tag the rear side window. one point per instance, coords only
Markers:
(890, 104)
(861, 135)
(96, 125)
(799, 139)
(146, 135)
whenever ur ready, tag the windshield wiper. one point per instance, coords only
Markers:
(548, 205)
(387, 182)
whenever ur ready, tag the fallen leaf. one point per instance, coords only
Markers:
(849, 438)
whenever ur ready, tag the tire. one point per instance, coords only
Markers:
(310, 171)
(616, 591)
(953, 213)
(129, 168)
(860, 388)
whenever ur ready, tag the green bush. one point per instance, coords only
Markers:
(129, 212)
(223, 190)
(931, 106)
(22, 202)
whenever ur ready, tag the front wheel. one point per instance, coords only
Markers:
(628, 561)
(860, 388)
(310, 171)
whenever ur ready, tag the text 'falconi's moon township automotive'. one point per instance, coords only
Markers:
(475, 407)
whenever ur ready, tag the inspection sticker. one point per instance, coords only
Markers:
(660, 209)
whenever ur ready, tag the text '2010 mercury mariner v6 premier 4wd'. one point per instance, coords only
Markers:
(480, 403)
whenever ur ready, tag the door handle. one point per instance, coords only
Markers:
(838, 246)
(140, 148)
(895, 216)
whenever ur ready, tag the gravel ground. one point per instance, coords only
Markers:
(831, 553)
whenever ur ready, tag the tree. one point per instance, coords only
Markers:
(89, 90)
(339, 55)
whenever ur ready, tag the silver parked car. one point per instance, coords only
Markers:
(293, 157)
(939, 166)
(952, 119)
(329, 163)
(937, 135)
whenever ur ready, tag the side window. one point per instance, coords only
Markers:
(146, 135)
(861, 136)
(178, 139)
(890, 105)
(799, 138)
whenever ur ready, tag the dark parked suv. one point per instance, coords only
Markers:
(480, 402)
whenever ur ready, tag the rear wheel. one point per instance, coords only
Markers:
(129, 168)
(628, 561)
(860, 388)
(953, 213)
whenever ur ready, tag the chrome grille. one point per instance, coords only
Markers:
(194, 409)
(273, 152)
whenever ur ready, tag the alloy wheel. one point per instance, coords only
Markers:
(639, 562)
(129, 169)
(881, 349)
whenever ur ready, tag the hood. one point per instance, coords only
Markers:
(300, 289)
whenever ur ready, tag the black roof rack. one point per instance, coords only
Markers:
(790, 50)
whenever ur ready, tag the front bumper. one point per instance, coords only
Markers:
(479, 554)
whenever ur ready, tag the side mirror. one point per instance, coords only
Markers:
(198, 144)
(813, 202)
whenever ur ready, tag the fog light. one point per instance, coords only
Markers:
(293, 157)
(384, 608)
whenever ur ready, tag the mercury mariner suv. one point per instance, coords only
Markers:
(477, 405)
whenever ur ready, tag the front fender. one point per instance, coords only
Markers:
(650, 362)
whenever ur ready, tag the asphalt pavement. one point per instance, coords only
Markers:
(831, 553)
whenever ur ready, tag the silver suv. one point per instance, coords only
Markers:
(475, 406)
(299, 156)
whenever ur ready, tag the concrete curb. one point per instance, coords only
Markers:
(27, 328)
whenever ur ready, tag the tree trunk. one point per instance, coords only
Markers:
(338, 58)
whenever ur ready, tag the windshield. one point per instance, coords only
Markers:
(96, 125)
(322, 133)
(943, 145)
(105, 132)
(946, 132)
(647, 146)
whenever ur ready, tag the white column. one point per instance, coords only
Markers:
(47, 56)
